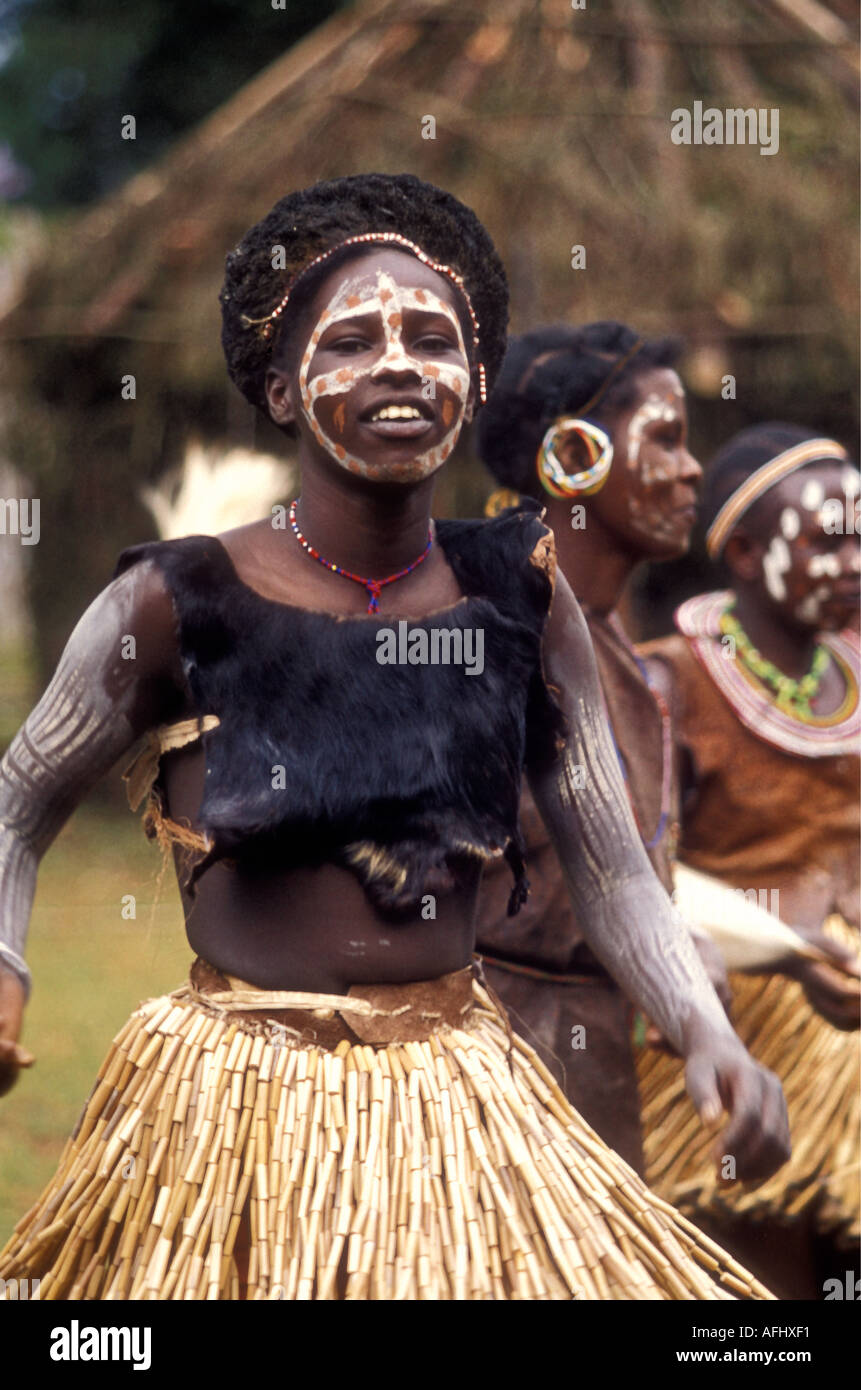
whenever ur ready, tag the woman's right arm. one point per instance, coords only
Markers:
(118, 676)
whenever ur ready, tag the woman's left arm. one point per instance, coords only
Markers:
(627, 917)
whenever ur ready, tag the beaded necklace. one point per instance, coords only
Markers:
(373, 586)
(792, 696)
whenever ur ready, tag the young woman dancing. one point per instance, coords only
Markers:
(332, 1106)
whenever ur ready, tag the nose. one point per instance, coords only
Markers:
(395, 363)
(690, 470)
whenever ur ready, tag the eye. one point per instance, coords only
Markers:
(670, 435)
(435, 342)
(350, 345)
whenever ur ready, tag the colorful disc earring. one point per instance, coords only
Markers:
(552, 473)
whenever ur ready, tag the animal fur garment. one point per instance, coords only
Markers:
(324, 753)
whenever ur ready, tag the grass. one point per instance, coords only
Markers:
(17, 680)
(91, 967)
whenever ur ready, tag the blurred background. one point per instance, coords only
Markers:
(553, 122)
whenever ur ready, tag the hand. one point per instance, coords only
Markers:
(832, 994)
(721, 1075)
(12, 1055)
(832, 987)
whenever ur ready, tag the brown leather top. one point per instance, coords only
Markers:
(759, 817)
(545, 933)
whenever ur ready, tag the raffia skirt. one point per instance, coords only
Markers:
(396, 1143)
(819, 1069)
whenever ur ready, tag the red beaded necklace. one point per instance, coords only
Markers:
(373, 586)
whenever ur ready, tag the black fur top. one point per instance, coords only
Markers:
(322, 753)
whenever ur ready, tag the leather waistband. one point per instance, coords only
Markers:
(376, 1014)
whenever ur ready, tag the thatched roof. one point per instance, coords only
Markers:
(555, 125)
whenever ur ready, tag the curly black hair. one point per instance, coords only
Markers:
(557, 371)
(744, 454)
(314, 220)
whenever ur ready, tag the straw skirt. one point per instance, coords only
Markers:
(446, 1165)
(819, 1069)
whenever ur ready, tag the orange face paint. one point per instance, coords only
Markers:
(387, 299)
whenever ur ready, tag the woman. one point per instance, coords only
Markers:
(376, 1135)
(763, 682)
(593, 420)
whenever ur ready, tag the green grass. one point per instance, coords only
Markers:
(90, 969)
(17, 680)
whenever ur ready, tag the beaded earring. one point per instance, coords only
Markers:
(551, 471)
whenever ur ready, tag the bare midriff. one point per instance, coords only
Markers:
(310, 928)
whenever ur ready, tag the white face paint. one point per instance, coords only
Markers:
(809, 609)
(790, 523)
(776, 563)
(812, 495)
(851, 481)
(818, 565)
(386, 298)
(654, 407)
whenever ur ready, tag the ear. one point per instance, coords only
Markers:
(279, 396)
(572, 451)
(469, 409)
(743, 555)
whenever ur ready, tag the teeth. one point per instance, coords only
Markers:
(397, 412)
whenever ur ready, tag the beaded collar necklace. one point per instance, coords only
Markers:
(818, 736)
(794, 696)
(373, 586)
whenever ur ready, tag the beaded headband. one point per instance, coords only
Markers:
(759, 482)
(266, 325)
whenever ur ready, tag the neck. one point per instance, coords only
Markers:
(789, 648)
(373, 529)
(596, 566)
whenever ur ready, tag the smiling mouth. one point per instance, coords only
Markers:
(398, 419)
(396, 412)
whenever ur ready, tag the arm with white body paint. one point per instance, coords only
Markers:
(627, 917)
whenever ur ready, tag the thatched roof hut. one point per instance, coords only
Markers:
(554, 123)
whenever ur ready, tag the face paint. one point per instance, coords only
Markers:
(775, 564)
(387, 300)
(812, 495)
(654, 407)
(649, 459)
(818, 565)
(790, 523)
(809, 609)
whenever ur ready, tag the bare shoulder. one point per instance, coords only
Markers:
(133, 617)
